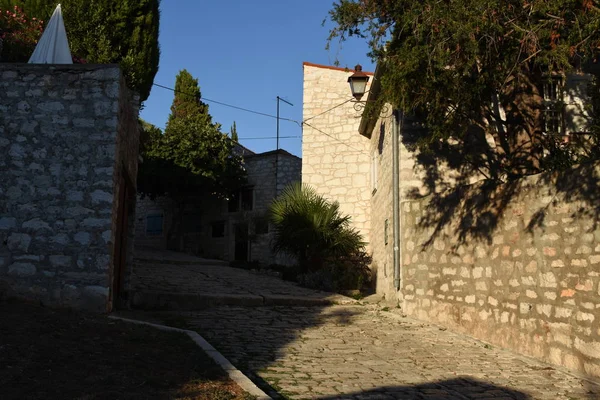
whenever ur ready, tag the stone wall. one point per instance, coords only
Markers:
(335, 158)
(529, 283)
(67, 132)
(381, 224)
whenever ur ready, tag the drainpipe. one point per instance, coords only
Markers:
(396, 194)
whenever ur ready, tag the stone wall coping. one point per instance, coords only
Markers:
(342, 69)
(57, 67)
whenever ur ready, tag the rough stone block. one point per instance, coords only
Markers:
(36, 224)
(82, 238)
(7, 223)
(96, 222)
(50, 107)
(103, 262)
(21, 270)
(100, 196)
(60, 260)
(74, 195)
(19, 242)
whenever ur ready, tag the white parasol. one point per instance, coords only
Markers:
(53, 47)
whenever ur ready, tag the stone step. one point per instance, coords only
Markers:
(199, 261)
(164, 301)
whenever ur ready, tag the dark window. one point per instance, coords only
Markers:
(553, 105)
(154, 224)
(234, 202)
(247, 196)
(261, 226)
(381, 138)
(385, 232)
(241, 200)
(218, 229)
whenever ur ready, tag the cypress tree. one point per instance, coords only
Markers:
(187, 101)
(234, 134)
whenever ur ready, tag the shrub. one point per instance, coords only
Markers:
(18, 35)
(340, 274)
(311, 228)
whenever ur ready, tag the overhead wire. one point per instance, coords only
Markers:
(228, 105)
(332, 108)
(271, 137)
(299, 123)
(333, 137)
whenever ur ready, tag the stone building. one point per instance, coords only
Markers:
(237, 229)
(335, 160)
(531, 285)
(70, 138)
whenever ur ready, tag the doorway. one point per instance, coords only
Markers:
(241, 241)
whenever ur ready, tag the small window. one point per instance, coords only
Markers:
(154, 224)
(374, 172)
(261, 226)
(553, 89)
(553, 105)
(217, 229)
(381, 138)
(385, 231)
(247, 197)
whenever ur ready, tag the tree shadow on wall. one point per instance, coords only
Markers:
(468, 197)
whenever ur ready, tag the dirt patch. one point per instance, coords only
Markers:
(49, 353)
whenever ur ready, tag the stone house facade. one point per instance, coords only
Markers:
(335, 160)
(236, 229)
(67, 197)
(531, 288)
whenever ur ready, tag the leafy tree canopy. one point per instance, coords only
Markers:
(192, 156)
(107, 31)
(457, 63)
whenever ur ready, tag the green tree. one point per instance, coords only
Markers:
(233, 133)
(191, 160)
(108, 31)
(456, 64)
(311, 228)
(187, 99)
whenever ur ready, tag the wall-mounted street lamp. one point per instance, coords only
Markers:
(358, 82)
(358, 85)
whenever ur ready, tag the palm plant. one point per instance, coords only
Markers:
(311, 228)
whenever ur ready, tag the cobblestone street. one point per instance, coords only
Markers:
(169, 280)
(357, 352)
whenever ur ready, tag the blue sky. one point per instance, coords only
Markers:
(246, 53)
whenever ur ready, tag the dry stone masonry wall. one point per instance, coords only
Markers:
(59, 135)
(534, 287)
